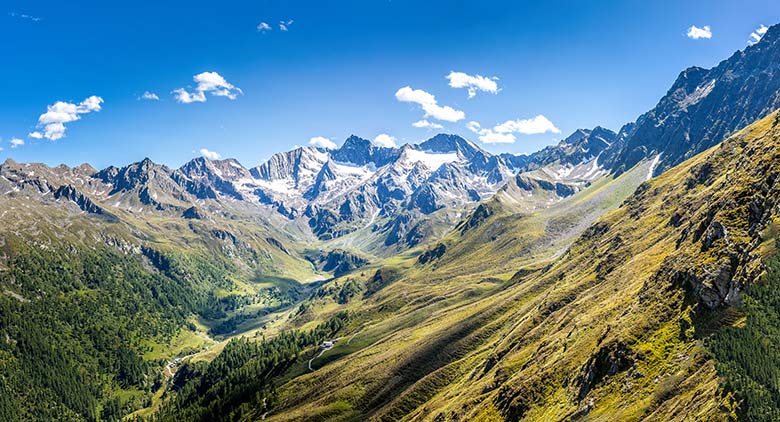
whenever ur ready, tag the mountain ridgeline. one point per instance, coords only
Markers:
(391, 194)
(702, 107)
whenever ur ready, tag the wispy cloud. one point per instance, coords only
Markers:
(16, 142)
(147, 95)
(429, 105)
(473, 83)
(504, 133)
(696, 33)
(385, 140)
(756, 35)
(285, 25)
(53, 121)
(425, 124)
(211, 155)
(25, 16)
(208, 82)
(263, 27)
(322, 142)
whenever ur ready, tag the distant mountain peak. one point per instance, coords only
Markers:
(146, 163)
(355, 150)
(443, 143)
(582, 145)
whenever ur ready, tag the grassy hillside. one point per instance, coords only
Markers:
(92, 308)
(627, 324)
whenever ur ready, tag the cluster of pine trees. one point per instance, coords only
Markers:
(75, 322)
(748, 357)
(239, 381)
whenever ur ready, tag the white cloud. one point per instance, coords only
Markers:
(211, 155)
(489, 136)
(208, 82)
(149, 96)
(694, 32)
(429, 105)
(473, 126)
(53, 121)
(322, 142)
(385, 140)
(532, 126)
(756, 35)
(263, 27)
(181, 95)
(473, 83)
(15, 142)
(285, 26)
(54, 131)
(426, 124)
(90, 104)
(25, 16)
(504, 133)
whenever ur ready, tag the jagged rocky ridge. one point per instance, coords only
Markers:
(703, 107)
(359, 184)
(390, 191)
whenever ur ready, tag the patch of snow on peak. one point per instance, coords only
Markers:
(353, 169)
(283, 186)
(563, 172)
(318, 155)
(432, 160)
(593, 169)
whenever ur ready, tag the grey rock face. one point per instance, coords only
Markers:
(703, 107)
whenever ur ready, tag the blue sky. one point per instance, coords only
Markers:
(337, 69)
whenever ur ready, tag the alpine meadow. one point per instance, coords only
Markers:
(291, 211)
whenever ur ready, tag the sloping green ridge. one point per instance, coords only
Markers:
(611, 330)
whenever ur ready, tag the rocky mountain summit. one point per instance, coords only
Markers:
(703, 107)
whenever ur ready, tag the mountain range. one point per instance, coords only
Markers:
(629, 275)
(392, 194)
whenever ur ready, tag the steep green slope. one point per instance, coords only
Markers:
(614, 329)
(376, 293)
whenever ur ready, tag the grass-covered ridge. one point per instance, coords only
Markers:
(609, 330)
